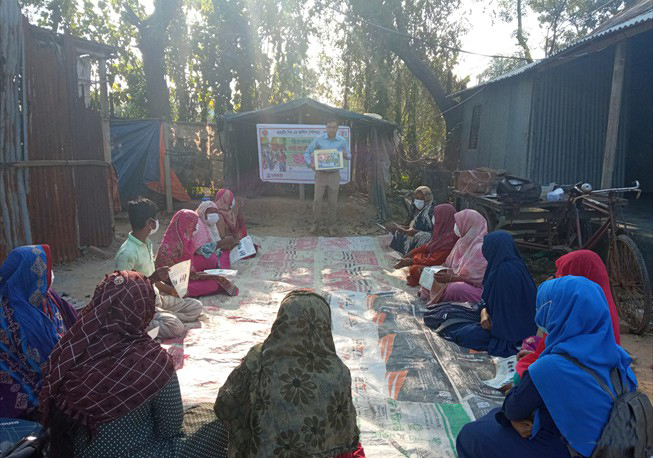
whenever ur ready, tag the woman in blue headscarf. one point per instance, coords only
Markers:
(557, 403)
(508, 313)
(32, 320)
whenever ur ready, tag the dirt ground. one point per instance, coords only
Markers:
(290, 217)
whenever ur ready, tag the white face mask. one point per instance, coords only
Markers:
(456, 230)
(433, 220)
(419, 204)
(212, 218)
(51, 279)
(197, 228)
(156, 227)
(233, 203)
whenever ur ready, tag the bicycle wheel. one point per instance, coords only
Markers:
(630, 283)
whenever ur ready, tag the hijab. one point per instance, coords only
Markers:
(224, 200)
(428, 194)
(585, 263)
(178, 241)
(443, 237)
(576, 316)
(106, 365)
(508, 290)
(30, 325)
(292, 393)
(466, 258)
(206, 233)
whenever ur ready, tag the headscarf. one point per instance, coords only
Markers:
(30, 324)
(443, 237)
(428, 194)
(223, 199)
(106, 365)
(178, 244)
(291, 394)
(576, 317)
(508, 290)
(466, 259)
(206, 233)
(585, 263)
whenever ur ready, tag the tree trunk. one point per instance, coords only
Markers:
(521, 38)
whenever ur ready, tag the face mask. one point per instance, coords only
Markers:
(51, 279)
(212, 218)
(543, 330)
(456, 230)
(156, 227)
(433, 220)
(419, 204)
(197, 228)
(233, 203)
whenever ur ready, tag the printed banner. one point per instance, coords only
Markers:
(281, 150)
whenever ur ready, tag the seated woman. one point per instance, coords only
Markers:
(419, 231)
(32, 320)
(508, 313)
(463, 279)
(581, 263)
(557, 402)
(232, 216)
(291, 395)
(436, 251)
(110, 390)
(211, 250)
(178, 245)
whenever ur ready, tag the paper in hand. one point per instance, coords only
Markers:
(505, 372)
(244, 249)
(428, 276)
(179, 276)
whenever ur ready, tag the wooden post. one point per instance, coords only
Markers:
(166, 167)
(302, 188)
(612, 133)
(106, 127)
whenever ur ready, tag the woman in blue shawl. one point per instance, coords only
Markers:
(557, 402)
(508, 313)
(32, 320)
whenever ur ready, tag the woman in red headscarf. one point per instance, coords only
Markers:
(436, 251)
(581, 263)
(179, 245)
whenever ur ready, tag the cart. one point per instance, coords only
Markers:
(581, 221)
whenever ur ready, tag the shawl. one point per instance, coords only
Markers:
(443, 237)
(178, 244)
(508, 289)
(206, 233)
(576, 317)
(106, 365)
(291, 395)
(30, 325)
(223, 200)
(585, 263)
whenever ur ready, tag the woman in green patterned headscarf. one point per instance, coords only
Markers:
(291, 395)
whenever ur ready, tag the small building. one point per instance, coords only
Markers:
(55, 164)
(583, 114)
(373, 142)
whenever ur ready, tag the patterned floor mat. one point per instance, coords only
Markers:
(413, 390)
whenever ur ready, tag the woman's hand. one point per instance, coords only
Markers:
(486, 321)
(405, 262)
(523, 353)
(445, 276)
(228, 243)
(523, 427)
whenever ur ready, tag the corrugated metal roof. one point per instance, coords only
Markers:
(647, 15)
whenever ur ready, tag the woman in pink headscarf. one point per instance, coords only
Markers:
(179, 245)
(463, 280)
(232, 217)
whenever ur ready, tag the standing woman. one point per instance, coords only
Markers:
(32, 320)
(178, 245)
(508, 310)
(419, 231)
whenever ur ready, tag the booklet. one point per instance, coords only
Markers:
(428, 276)
(223, 272)
(505, 372)
(244, 249)
(179, 276)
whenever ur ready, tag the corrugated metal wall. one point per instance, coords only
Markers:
(569, 121)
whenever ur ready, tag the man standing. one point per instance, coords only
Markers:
(326, 179)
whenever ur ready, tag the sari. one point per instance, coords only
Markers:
(207, 253)
(509, 297)
(576, 316)
(465, 260)
(31, 323)
(582, 263)
(291, 395)
(232, 217)
(422, 222)
(442, 242)
(178, 245)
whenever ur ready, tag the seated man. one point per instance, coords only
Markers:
(136, 254)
